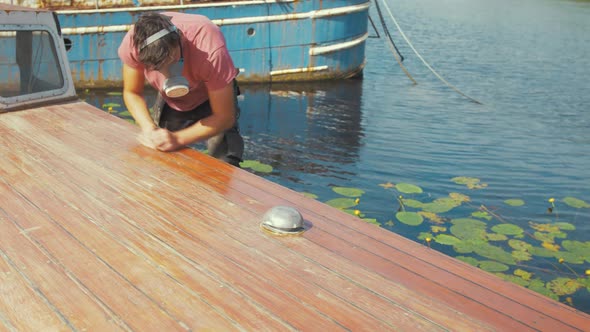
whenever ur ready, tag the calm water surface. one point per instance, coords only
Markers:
(526, 61)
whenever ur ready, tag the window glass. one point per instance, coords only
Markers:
(28, 63)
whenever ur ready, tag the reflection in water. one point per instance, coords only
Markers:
(320, 123)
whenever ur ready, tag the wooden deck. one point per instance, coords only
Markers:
(98, 233)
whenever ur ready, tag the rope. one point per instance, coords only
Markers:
(374, 29)
(397, 55)
(420, 57)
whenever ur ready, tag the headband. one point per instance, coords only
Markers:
(157, 36)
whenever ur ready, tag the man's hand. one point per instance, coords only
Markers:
(164, 140)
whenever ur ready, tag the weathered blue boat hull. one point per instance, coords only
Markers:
(269, 41)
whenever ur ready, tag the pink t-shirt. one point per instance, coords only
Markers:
(207, 63)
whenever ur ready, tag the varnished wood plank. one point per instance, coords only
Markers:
(369, 266)
(295, 311)
(543, 322)
(61, 290)
(121, 296)
(22, 307)
(238, 250)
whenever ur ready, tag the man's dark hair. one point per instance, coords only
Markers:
(154, 54)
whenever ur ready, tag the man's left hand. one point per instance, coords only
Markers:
(165, 140)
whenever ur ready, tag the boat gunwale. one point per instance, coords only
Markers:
(170, 7)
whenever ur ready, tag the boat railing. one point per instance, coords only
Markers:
(102, 4)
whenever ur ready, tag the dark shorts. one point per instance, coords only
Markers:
(227, 146)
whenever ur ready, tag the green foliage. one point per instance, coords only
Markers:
(507, 229)
(412, 203)
(492, 266)
(576, 203)
(348, 192)
(481, 215)
(408, 188)
(256, 166)
(471, 183)
(468, 260)
(514, 279)
(371, 221)
(448, 240)
(538, 286)
(578, 249)
(113, 105)
(564, 286)
(514, 202)
(341, 203)
(309, 195)
(409, 218)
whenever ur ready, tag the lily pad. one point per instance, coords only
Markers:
(514, 202)
(565, 226)
(507, 229)
(570, 257)
(548, 228)
(124, 114)
(371, 221)
(495, 253)
(492, 266)
(113, 105)
(513, 279)
(433, 217)
(341, 203)
(438, 229)
(481, 215)
(256, 166)
(519, 245)
(408, 188)
(423, 236)
(496, 237)
(523, 274)
(409, 218)
(549, 237)
(471, 183)
(309, 195)
(541, 252)
(469, 229)
(564, 286)
(461, 198)
(522, 256)
(537, 285)
(575, 202)
(580, 249)
(448, 240)
(348, 192)
(469, 260)
(440, 205)
(412, 203)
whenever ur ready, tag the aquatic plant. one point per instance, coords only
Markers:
(488, 240)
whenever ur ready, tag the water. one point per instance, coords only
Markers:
(526, 61)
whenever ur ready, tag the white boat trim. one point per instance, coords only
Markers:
(171, 7)
(229, 21)
(318, 50)
(298, 70)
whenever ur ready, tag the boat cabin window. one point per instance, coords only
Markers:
(29, 63)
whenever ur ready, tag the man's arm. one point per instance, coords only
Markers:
(133, 84)
(222, 118)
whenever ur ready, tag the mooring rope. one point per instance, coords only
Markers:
(396, 54)
(420, 57)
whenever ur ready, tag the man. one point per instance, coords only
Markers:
(185, 58)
